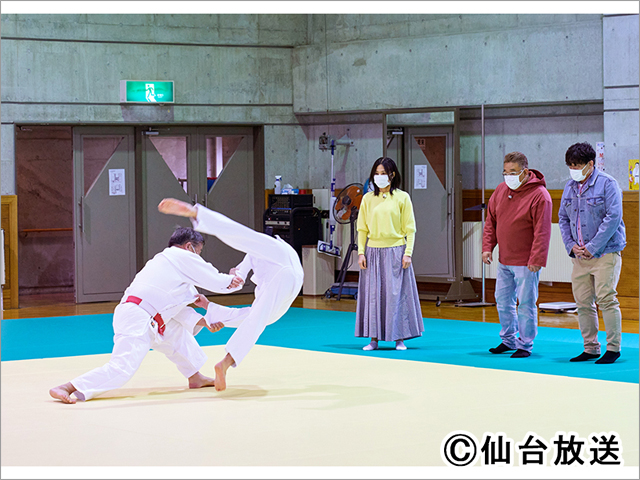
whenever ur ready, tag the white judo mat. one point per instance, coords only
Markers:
(286, 407)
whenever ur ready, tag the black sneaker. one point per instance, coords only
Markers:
(520, 354)
(500, 349)
(608, 357)
(584, 356)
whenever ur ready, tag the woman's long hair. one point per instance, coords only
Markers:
(390, 169)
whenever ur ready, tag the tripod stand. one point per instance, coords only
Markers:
(347, 259)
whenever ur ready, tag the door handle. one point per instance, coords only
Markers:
(81, 205)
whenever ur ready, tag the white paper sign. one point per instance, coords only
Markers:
(116, 182)
(420, 177)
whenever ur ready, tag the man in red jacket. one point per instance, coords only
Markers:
(519, 220)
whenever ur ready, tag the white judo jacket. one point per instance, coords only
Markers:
(167, 282)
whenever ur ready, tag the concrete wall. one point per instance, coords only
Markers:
(365, 62)
(213, 84)
(227, 69)
(550, 73)
(543, 134)
(309, 167)
(203, 29)
(274, 70)
(548, 81)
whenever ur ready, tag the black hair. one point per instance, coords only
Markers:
(579, 154)
(390, 168)
(183, 235)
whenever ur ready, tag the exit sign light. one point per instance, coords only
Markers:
(146, 91)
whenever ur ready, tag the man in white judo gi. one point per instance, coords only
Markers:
(277, 273)
(154, 313)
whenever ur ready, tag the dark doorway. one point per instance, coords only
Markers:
(44, 185)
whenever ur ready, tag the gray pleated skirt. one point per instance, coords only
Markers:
(388, 304)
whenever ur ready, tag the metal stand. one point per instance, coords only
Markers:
(328, 142)
(345, 264)
(483, 206)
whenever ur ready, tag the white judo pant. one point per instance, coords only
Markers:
(134, 336)
(278, 276)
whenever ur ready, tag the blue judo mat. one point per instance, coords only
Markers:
(451, 342)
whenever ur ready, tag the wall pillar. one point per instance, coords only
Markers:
(620, 60)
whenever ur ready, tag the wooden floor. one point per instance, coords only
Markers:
(57, 305)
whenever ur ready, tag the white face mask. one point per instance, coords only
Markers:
(578, 175)
(382, 181)
(513, 181)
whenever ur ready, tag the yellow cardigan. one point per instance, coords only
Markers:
(385, 222)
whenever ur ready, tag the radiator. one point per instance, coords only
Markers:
(558, 267)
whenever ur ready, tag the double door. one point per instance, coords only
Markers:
(122, 173)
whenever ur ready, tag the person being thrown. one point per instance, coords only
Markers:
(277, 273)
(154, 313)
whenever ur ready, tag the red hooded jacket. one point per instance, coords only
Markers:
(520, 222)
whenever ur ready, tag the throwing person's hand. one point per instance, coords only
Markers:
(214, 327)
(201, 301)
(236, 282)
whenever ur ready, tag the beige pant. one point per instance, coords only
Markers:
(594, 281)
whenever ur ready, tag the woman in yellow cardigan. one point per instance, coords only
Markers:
(388, 304)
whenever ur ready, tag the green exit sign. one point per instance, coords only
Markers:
(146, 91)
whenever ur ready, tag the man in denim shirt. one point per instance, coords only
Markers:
(593, 233)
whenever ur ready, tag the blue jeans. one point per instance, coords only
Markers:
(517, 283)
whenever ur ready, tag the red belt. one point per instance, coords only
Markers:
(156, 317)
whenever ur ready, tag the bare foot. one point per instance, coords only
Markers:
(171, 206)
(221, 372)
(221, 376)
(63, 393)
(198, 380)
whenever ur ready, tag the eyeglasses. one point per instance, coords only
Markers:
(510, 174)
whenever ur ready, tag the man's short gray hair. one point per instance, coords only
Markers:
(517, 157)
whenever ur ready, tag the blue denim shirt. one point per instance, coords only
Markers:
(600, 207)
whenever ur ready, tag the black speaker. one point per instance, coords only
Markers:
(294, 219)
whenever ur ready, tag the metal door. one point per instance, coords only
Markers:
(430, 182)
(226, 185)
(395, 145)
(104, 214)
(207, 165)
(168, 166)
